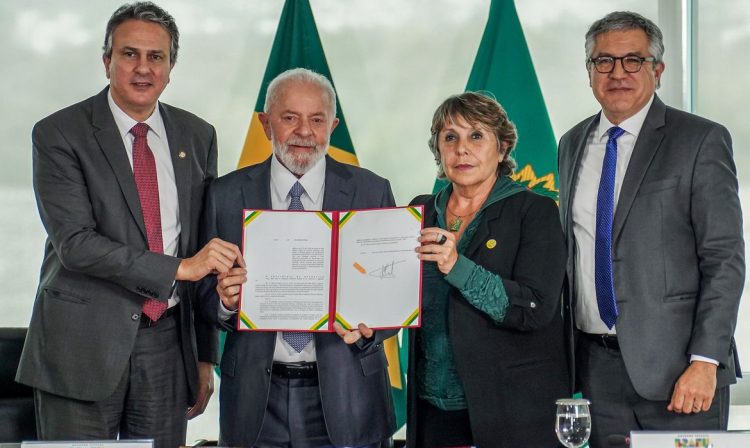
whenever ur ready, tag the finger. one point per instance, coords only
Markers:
(365, 331)
(675, 405)
(231, 291)
(687, 406)
(237, 271)
(707, 404)
(341, 331)
(221, 249)
(234, 280)
(429, 230)
(352, 337)
(216, 261)
(231, 251)
(432, 249)
(229, 254)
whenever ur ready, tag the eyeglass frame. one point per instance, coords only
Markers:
(614, 59)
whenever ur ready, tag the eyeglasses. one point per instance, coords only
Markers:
(631, 64)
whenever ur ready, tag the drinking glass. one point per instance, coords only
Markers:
(573, 422)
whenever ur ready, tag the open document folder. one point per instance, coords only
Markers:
(307, 270)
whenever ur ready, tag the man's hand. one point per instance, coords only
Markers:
(695, 389)
(216, 257)
(228, 287)
(350, 337)
(205, 389)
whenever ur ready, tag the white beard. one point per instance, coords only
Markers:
(298, 165)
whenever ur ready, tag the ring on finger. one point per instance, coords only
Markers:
(442, 239)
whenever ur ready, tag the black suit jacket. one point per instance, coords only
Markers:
(512, 372)
(354, 386)
(97, 269)
(677, 247)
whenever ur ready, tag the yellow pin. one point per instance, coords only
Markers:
(182, 154)
(491, 243)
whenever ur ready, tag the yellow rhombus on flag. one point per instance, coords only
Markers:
(297, 44)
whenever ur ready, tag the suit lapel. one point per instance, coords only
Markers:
(339, 191)
(110, 142)
(256, 191)
(648, 143)
(491, 214)
(181, 154)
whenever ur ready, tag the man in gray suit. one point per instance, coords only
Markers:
(113, 348)
(649, 204)
(290, 389)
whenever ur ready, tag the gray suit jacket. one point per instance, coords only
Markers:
(97, 268)
(354, 386)
(678, 250)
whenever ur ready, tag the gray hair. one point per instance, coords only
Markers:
(623, 21)
(299, 75)
(147, 12)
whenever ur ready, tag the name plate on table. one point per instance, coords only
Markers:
(135, 443)
(703, 439)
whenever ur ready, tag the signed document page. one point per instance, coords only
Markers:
(288, 257)
(379, 274)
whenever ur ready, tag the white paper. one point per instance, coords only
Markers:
(378, 269)
(690, 439)
(288, 257)
(144, 443)
(289, 280)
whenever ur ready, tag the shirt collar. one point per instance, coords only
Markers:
(125, 122)
(312, 181)
(631, 125)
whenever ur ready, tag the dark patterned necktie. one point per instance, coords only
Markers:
(144, 171)
(605, 208)
(298, 340)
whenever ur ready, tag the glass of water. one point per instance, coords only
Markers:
(573, 422)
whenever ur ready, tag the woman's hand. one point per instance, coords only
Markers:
(438, 245)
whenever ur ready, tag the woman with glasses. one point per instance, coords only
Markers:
(488, 361)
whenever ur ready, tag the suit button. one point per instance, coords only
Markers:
(532, 304)
(135, 316)
(268, 371)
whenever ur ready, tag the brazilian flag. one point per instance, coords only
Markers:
(503, 67)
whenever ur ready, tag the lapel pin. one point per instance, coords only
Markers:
(491, 243)
(182, 154)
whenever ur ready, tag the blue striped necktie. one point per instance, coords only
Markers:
(298, 340)
(605, 208)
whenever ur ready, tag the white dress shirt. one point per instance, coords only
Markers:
(168, 203)
(313, 181)
(584, 211)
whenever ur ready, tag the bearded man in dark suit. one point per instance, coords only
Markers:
(286, 389)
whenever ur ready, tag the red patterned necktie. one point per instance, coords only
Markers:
(144, 170)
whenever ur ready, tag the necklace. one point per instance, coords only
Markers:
(455, 224)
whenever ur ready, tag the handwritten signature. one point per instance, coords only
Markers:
(386, 271)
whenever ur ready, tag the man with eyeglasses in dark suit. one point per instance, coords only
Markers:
(649, 205)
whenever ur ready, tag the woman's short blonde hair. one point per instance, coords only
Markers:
(477, 109)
